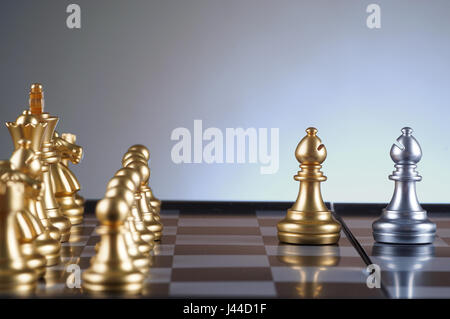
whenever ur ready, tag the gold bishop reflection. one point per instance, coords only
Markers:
(311, 263)
(309, 221)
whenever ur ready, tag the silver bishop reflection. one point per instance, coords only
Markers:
(404, 221)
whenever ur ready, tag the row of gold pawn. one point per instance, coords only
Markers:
(49, 201)
(129, 226)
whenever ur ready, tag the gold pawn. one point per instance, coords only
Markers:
(112, 269)
(26, 228)
(147, 212)
(136, 156)
(15, 274)
(122, 187)
(309, 221)
(27, 162)
(140, 260)
(136, 213)
(152, 200)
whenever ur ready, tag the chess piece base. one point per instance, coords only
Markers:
(17, 282)
(120, 282)
(71, 209)
(49, 248)
(33, 260)
(308, 239)
(404, 228)
(153, 225)
(309, 228)
(63, 224)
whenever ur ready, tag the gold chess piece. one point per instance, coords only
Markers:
(147, 211)
(27, 162)
(309, 221)
(136, 213)
(72, 138)
(50, 160)
(26, 224)
(28, 127)
(140, 259)
(65, 181)
(112, 269)
(153, 201)
(123, 187)
(15, 274)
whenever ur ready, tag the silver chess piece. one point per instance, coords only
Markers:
(404, 221)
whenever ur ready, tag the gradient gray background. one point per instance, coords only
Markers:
(138, 69)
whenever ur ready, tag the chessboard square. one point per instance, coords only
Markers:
(218, 231)
(93, 240)
(169, 221)
(161, 261)
(360, 223)
(223, 289)
(327, 290)
(159, 275)
(51, 289)
(155, 290)
(168, 239)
(91, 222)
(271, 214)
(245, 274)
(361, 232)
(366, 241)
(442, 251)
(441, 242)
(270, 240)
(169, 213)
(84, 262)
(268, 231)
(209, 261)
(170, 230)
(88, 251)
(219, 240)
(218, 222)
(423, 278)
(268, 222)
(303, 250)
(442, 222)
(436, 264)
(80, 230)
(319, 274)
(163, 250)
(407, 292)
(443, 232)
(312, 261)
(219, 250)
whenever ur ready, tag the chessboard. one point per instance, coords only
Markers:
(407, 271)
(232, 251)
